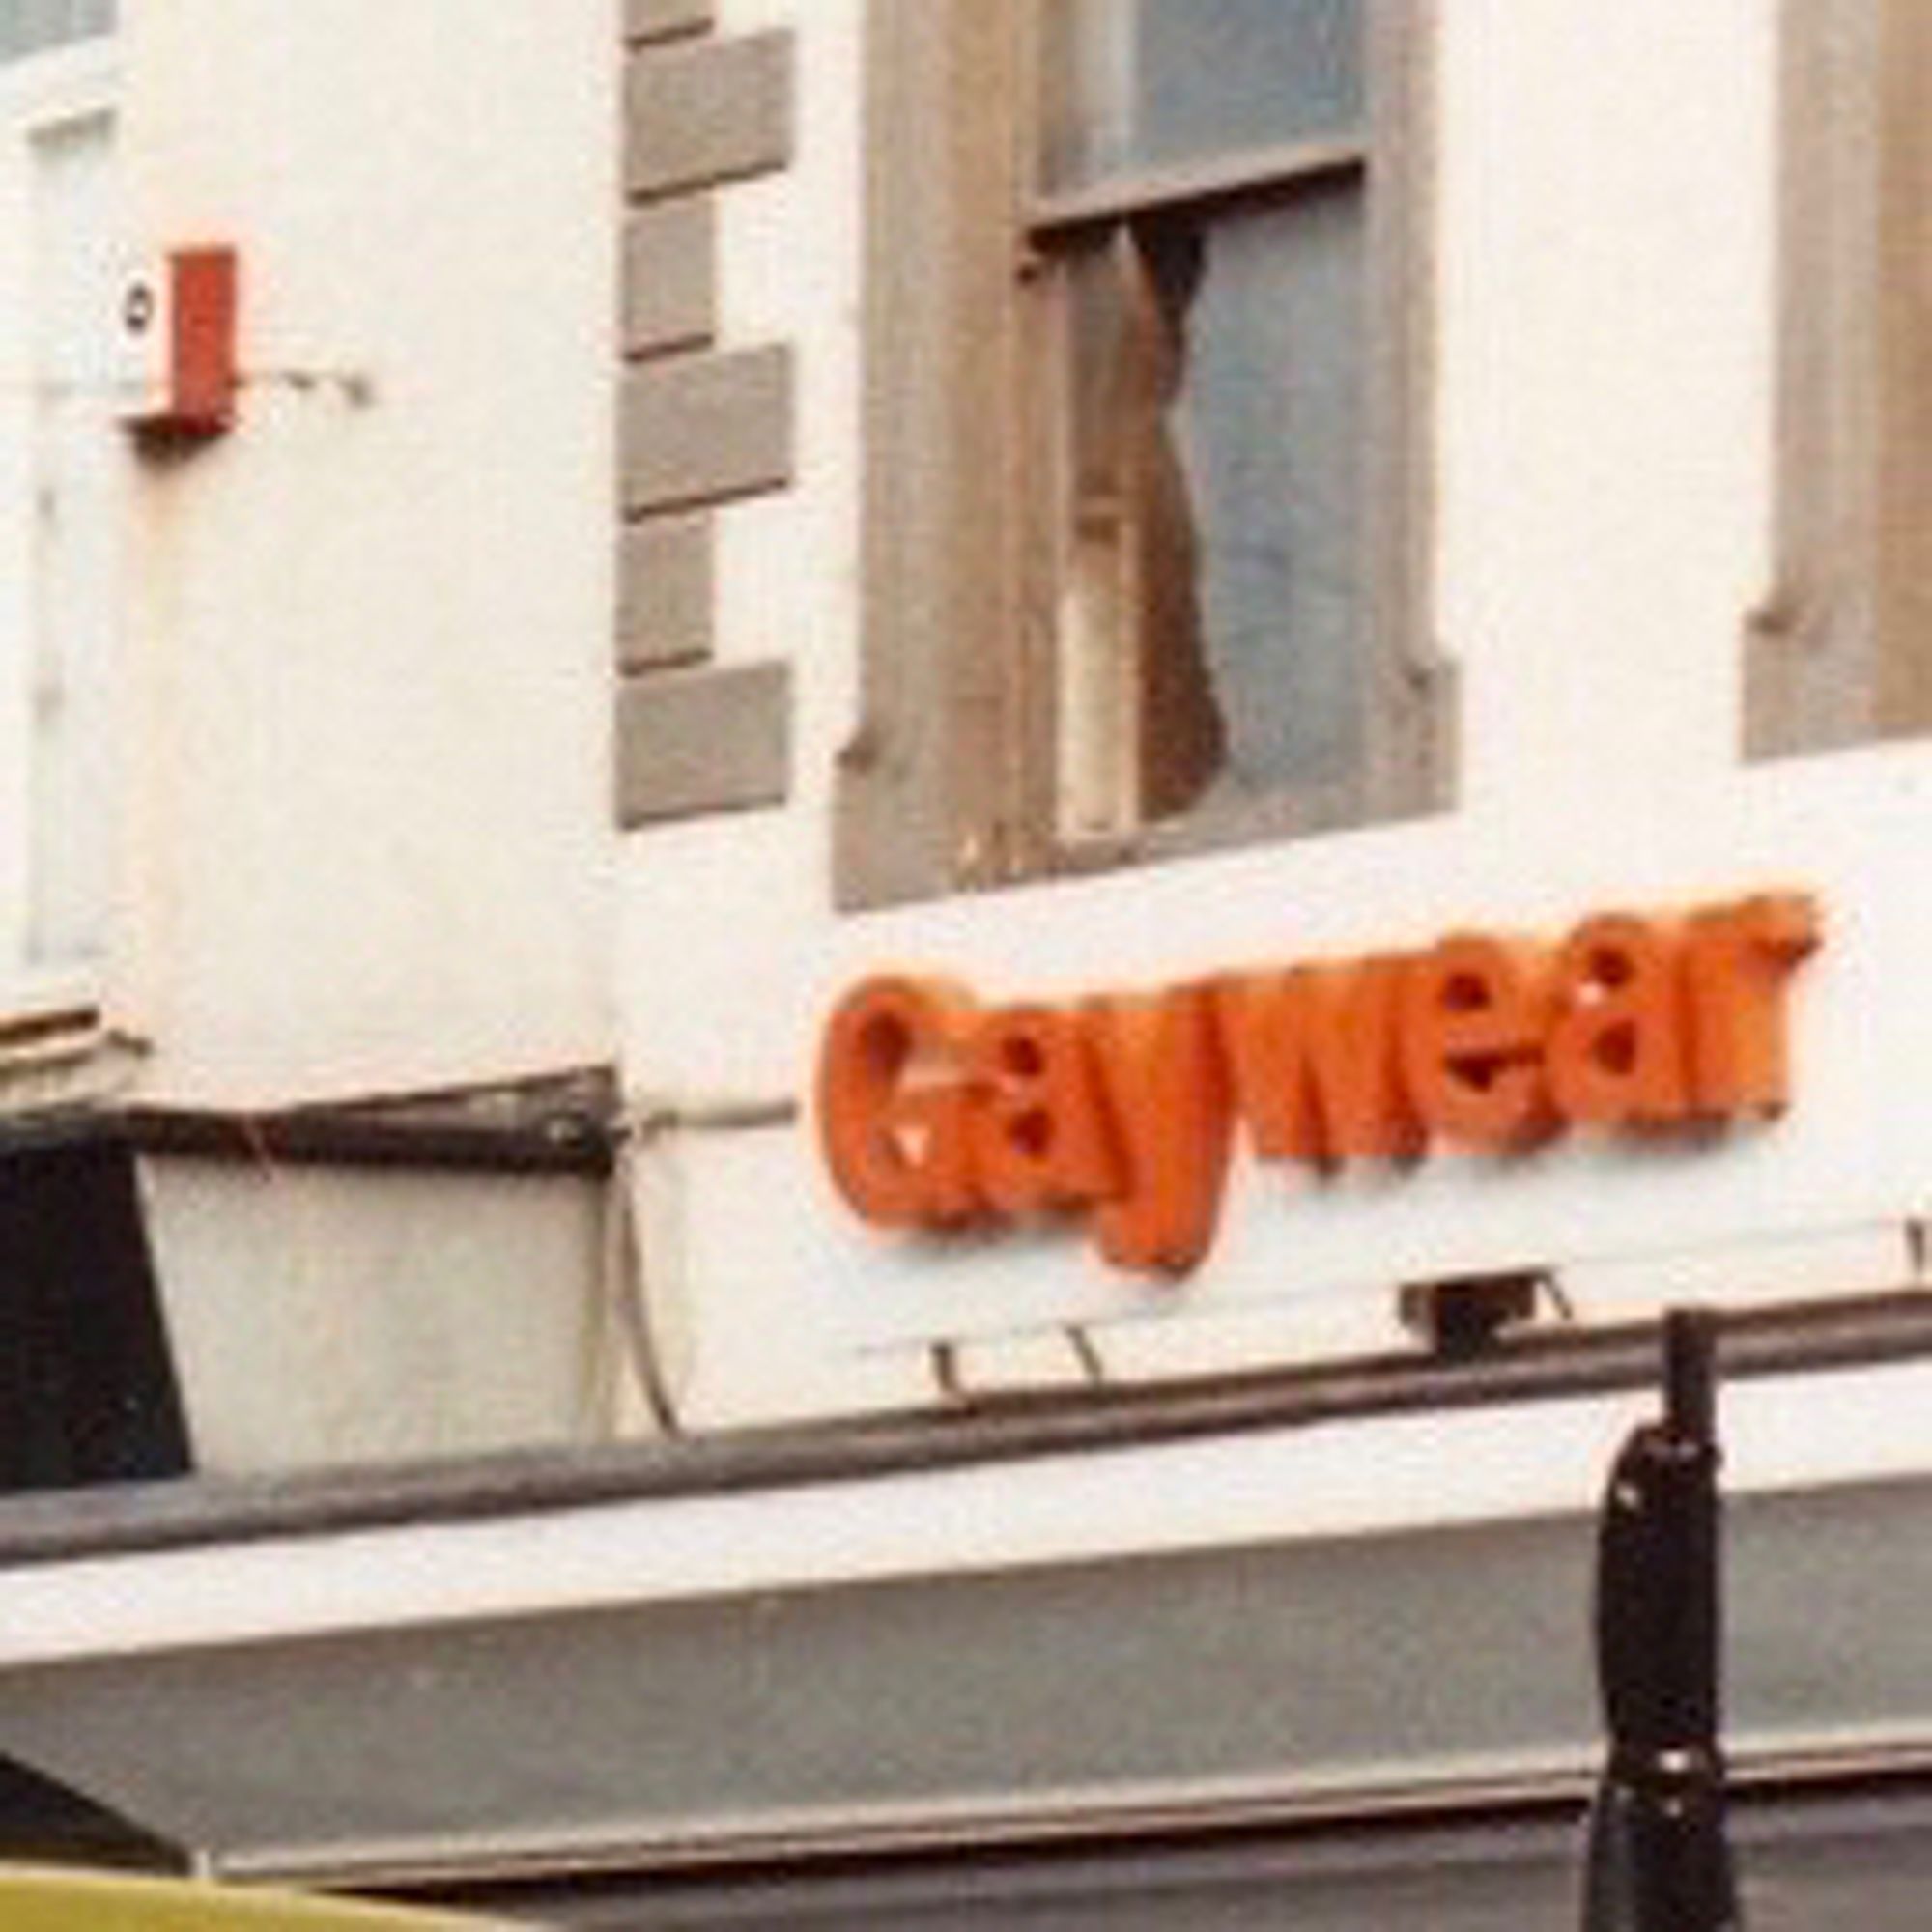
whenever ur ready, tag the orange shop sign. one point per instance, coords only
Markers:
(935, 1112)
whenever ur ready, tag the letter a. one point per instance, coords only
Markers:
(1615, 1053)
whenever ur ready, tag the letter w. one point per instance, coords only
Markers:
(1313, 1064)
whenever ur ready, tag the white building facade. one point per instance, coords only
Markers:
(871, 961)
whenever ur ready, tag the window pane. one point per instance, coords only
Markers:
(1269, 420)
(1212, 621)
(28, 26)
(1135, 84)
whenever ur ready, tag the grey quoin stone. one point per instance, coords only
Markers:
(702, 111)
(698, 429)
(703, 741)
(665, 584)
(671, 276)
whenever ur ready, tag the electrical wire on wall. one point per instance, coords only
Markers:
(643, 1249)
(355, 388)
(626, 1357)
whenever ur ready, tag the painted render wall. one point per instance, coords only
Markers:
(369, 847)
(371, 650)
(1606, 287)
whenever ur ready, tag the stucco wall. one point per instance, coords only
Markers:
(372, 639)
(1606, 281)
(369, 630)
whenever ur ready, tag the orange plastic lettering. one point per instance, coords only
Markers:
(1738, 963)
(1039, 1137)
(1615, 1052)
(1161, 1074)
(893, 1111)
(1312, 1060)
(1474, 1014)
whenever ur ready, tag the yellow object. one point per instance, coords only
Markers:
(34, 1899)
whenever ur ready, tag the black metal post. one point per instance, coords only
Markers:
(1659, 1857)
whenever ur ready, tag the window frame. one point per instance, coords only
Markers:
(947, 782)
(44, 92)
(1829, 658)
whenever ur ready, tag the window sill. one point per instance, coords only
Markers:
(59, 1027)
(1392, 791)
(1227, 827)
(59, 1053)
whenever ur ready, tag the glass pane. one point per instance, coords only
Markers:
(1138, 84)
(1215, 558)
(30, 26)
(1269, 421)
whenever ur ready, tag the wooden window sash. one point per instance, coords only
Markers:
(1091, 804)
(1202, 185)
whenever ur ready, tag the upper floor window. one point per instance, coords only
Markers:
(1143, 450)
(32, 26)
(62, 502)
(1840, 649)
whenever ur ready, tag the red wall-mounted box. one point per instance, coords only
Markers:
(179, 325)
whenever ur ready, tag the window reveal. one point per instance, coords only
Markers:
(78, 487)
(1839, 650)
